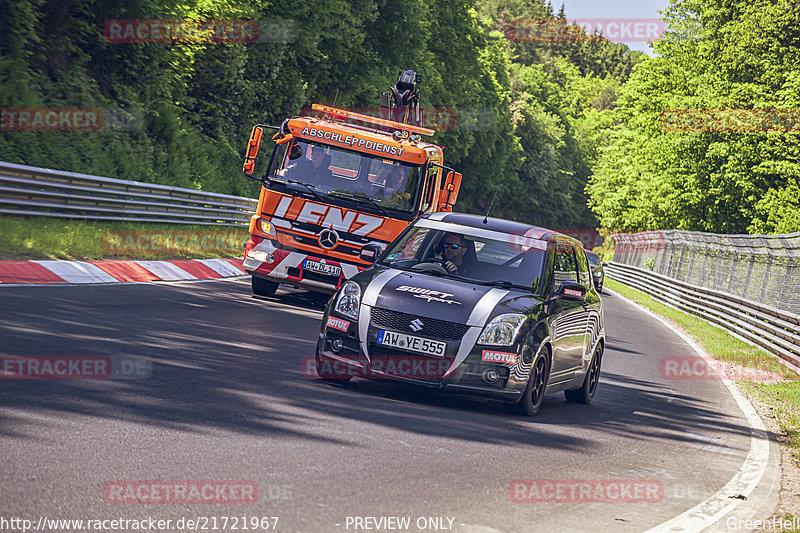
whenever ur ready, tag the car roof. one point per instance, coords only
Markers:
(501, 225)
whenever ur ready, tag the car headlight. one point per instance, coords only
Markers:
(348, 300)
(502, 330)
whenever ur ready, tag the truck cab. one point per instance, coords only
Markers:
(338, 189)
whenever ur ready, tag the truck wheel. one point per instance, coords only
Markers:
(263, 287)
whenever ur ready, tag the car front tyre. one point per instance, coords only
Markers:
(263, 287)
(327, 372)
(533, 397)
(587, 390)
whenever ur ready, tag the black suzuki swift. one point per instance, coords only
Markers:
(471, 306)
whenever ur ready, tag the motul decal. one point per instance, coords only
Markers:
(337, 323)
(499, 357)
(573, 292)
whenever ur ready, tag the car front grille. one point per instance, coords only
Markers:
(431, 327)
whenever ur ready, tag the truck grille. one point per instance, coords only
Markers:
(431, 327)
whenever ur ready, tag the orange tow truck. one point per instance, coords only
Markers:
(339, 188)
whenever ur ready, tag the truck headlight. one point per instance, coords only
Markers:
(502, 330)
(349, 300)
(268, 228)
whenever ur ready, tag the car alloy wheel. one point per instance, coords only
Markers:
(587, 390)
(533, 397)
(327, 372)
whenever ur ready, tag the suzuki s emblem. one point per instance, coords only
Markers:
(416, 325)
(328, 239)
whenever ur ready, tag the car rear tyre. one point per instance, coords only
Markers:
(263, 287)
(587, 390)
(532, 398)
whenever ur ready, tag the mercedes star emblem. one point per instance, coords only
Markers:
(328, 239)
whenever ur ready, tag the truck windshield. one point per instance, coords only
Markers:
(335, 173)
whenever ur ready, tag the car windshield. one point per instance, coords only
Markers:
(469, 255)
(333, 173)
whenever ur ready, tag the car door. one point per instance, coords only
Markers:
(593, 306)
(590, 305)
(567, 317)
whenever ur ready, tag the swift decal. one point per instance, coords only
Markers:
(428, 294)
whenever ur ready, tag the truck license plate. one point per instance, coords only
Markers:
(322, 268)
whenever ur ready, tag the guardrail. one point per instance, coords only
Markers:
(38, 191)
(775, 330)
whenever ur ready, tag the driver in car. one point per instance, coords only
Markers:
(454, 247)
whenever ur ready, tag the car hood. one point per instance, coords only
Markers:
(443, 298)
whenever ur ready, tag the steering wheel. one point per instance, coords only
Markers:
(434, 263)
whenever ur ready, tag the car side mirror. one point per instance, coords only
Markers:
(370, 253)
(571, 291)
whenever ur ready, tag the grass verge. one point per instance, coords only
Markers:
(782, 399)
(52, 238)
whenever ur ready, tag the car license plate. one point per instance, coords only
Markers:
(409, 342)
(322, 268)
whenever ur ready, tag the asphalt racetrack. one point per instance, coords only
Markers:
(223, 395)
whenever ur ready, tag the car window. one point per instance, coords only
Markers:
(482, 259)
(495, 252)
(584, 275)
(564, 268)
(593, 259)
(409, 246)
